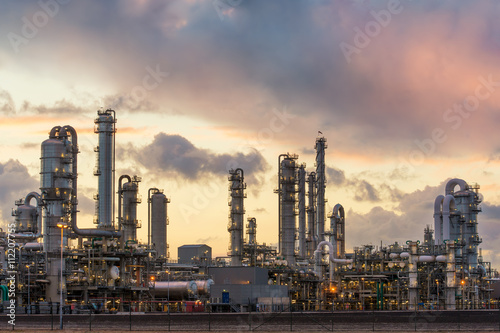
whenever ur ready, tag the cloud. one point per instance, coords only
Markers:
(15, 183)
(174, 154)
(59, 107)
(7, 105)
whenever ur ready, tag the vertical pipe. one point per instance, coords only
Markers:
(312, 239)
(438, 219)
(302, 211)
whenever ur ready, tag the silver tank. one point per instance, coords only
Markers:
(159, 223)
(204, 286)
(56, 187)
(25, 218)
(130, 201)
(174, 290)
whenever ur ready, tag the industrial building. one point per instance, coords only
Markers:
(309, 270)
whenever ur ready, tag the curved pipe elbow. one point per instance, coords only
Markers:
(450, 186)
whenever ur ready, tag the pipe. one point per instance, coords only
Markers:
(149, 213)
(448, 208)
(450, 186)
(438, 219)
(74, 201)
(337, 226)
(331, 253)
(36, 196)
(120, 199)
(33, 246)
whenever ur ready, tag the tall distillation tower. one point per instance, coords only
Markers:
(287, 211)
(320, 188)
(302, 212)
(105, 168)
(312, 239)
(237, 188)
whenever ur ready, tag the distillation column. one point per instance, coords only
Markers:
(413, 276)
(337, 228)
(302, 212)
(312, 239)
(105, 168)
(286, 193)
(159, 222)
(252, 239)
(320, 186)
(235, 226)
(130, 198)
(56, 185)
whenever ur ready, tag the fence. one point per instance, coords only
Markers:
(466, 320)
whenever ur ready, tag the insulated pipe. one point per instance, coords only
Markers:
(120, 199)
(74, 201)
(311, 220)
(302, 211)
(450, 186)
(149, 211)
(36, 196)
(337, 226)
(317, 256)
(438, 219)
(448, 208)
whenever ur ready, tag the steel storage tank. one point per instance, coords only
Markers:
(159, 222)
(25, 218)
(204, 286)
(174, 290)
(130, 201)
(56, 186)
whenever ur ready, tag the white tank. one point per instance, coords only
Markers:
(114, 272)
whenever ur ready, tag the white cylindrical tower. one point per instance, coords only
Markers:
(159, 222)
(237, 188)
(105, 127)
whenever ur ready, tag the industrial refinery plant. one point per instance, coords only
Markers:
(106, 269)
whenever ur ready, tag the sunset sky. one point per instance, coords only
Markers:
(406, 93)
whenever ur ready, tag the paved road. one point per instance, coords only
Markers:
(487, 320)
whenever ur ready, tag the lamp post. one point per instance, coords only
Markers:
(62, 226)
(29, 299)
